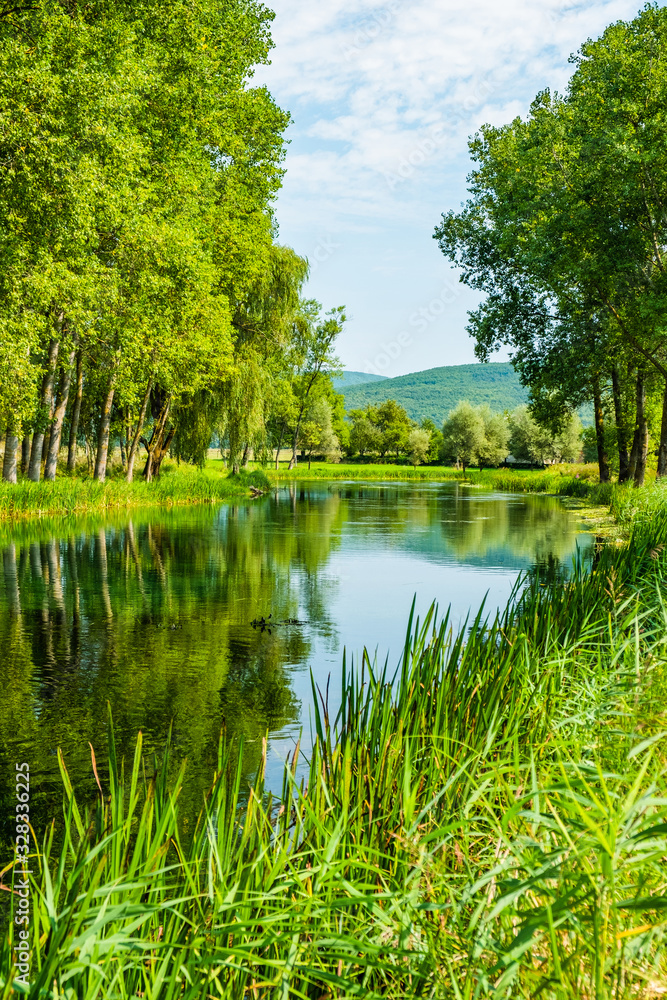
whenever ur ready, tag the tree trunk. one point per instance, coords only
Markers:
(9, 463)
(662, 450)
(35, 466)
(51, 464)
(103, 437)
(161, 451)
(132, 453)
(621, 429)
(244, 460)
(280, 441)
(294, 459)
(47, 435)
(76, 413)
(639, 452)
(603, 462)
(25, 453)
(154, 446)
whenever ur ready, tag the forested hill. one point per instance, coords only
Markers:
(432, 393)
(347, 379)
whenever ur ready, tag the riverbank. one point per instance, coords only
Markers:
(489, 823)
(564, 480)
(71, 495)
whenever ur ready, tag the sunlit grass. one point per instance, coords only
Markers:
(488, 821)
(74, 495)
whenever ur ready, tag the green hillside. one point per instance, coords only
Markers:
(434, 392)
(347, 379)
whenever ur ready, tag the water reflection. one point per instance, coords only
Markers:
(151, 611)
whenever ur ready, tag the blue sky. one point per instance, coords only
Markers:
(383, 97)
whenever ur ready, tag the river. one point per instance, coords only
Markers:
(151, 611)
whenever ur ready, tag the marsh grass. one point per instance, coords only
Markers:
(490, 820)
(70, 495)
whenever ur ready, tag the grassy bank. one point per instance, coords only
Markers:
(71, 495)
(567, 480)
(489, 822)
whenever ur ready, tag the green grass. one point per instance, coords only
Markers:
(488, 821)
(563, 480)
(74, 495)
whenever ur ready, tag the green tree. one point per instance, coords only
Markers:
(435, 440)
(418, 445)
(463, 434)
(533, 442)
(138, 171)
(565, 228)
(317, 434)
(315, 361)
(394, 425)
(495, 444)
(365, 436)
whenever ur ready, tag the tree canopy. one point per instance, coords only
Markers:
(565, 234)
(141, 280)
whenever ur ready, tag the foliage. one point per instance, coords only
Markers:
(138, 239)
(564, 233)
(365, 436)
(418, 445)
(463, 434)
(317, 433)
(530, 442)
(379, 429)
(494, 446)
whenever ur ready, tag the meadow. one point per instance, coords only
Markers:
(488, 820)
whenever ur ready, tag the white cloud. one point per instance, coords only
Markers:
(380, 80)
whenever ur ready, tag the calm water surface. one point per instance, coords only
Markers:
(152, 611)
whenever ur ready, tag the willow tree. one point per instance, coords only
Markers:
(265, 317)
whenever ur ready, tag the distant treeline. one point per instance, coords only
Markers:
(470, 435)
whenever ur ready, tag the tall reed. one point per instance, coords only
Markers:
(71, 495)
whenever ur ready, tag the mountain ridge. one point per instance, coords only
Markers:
(432, 393)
